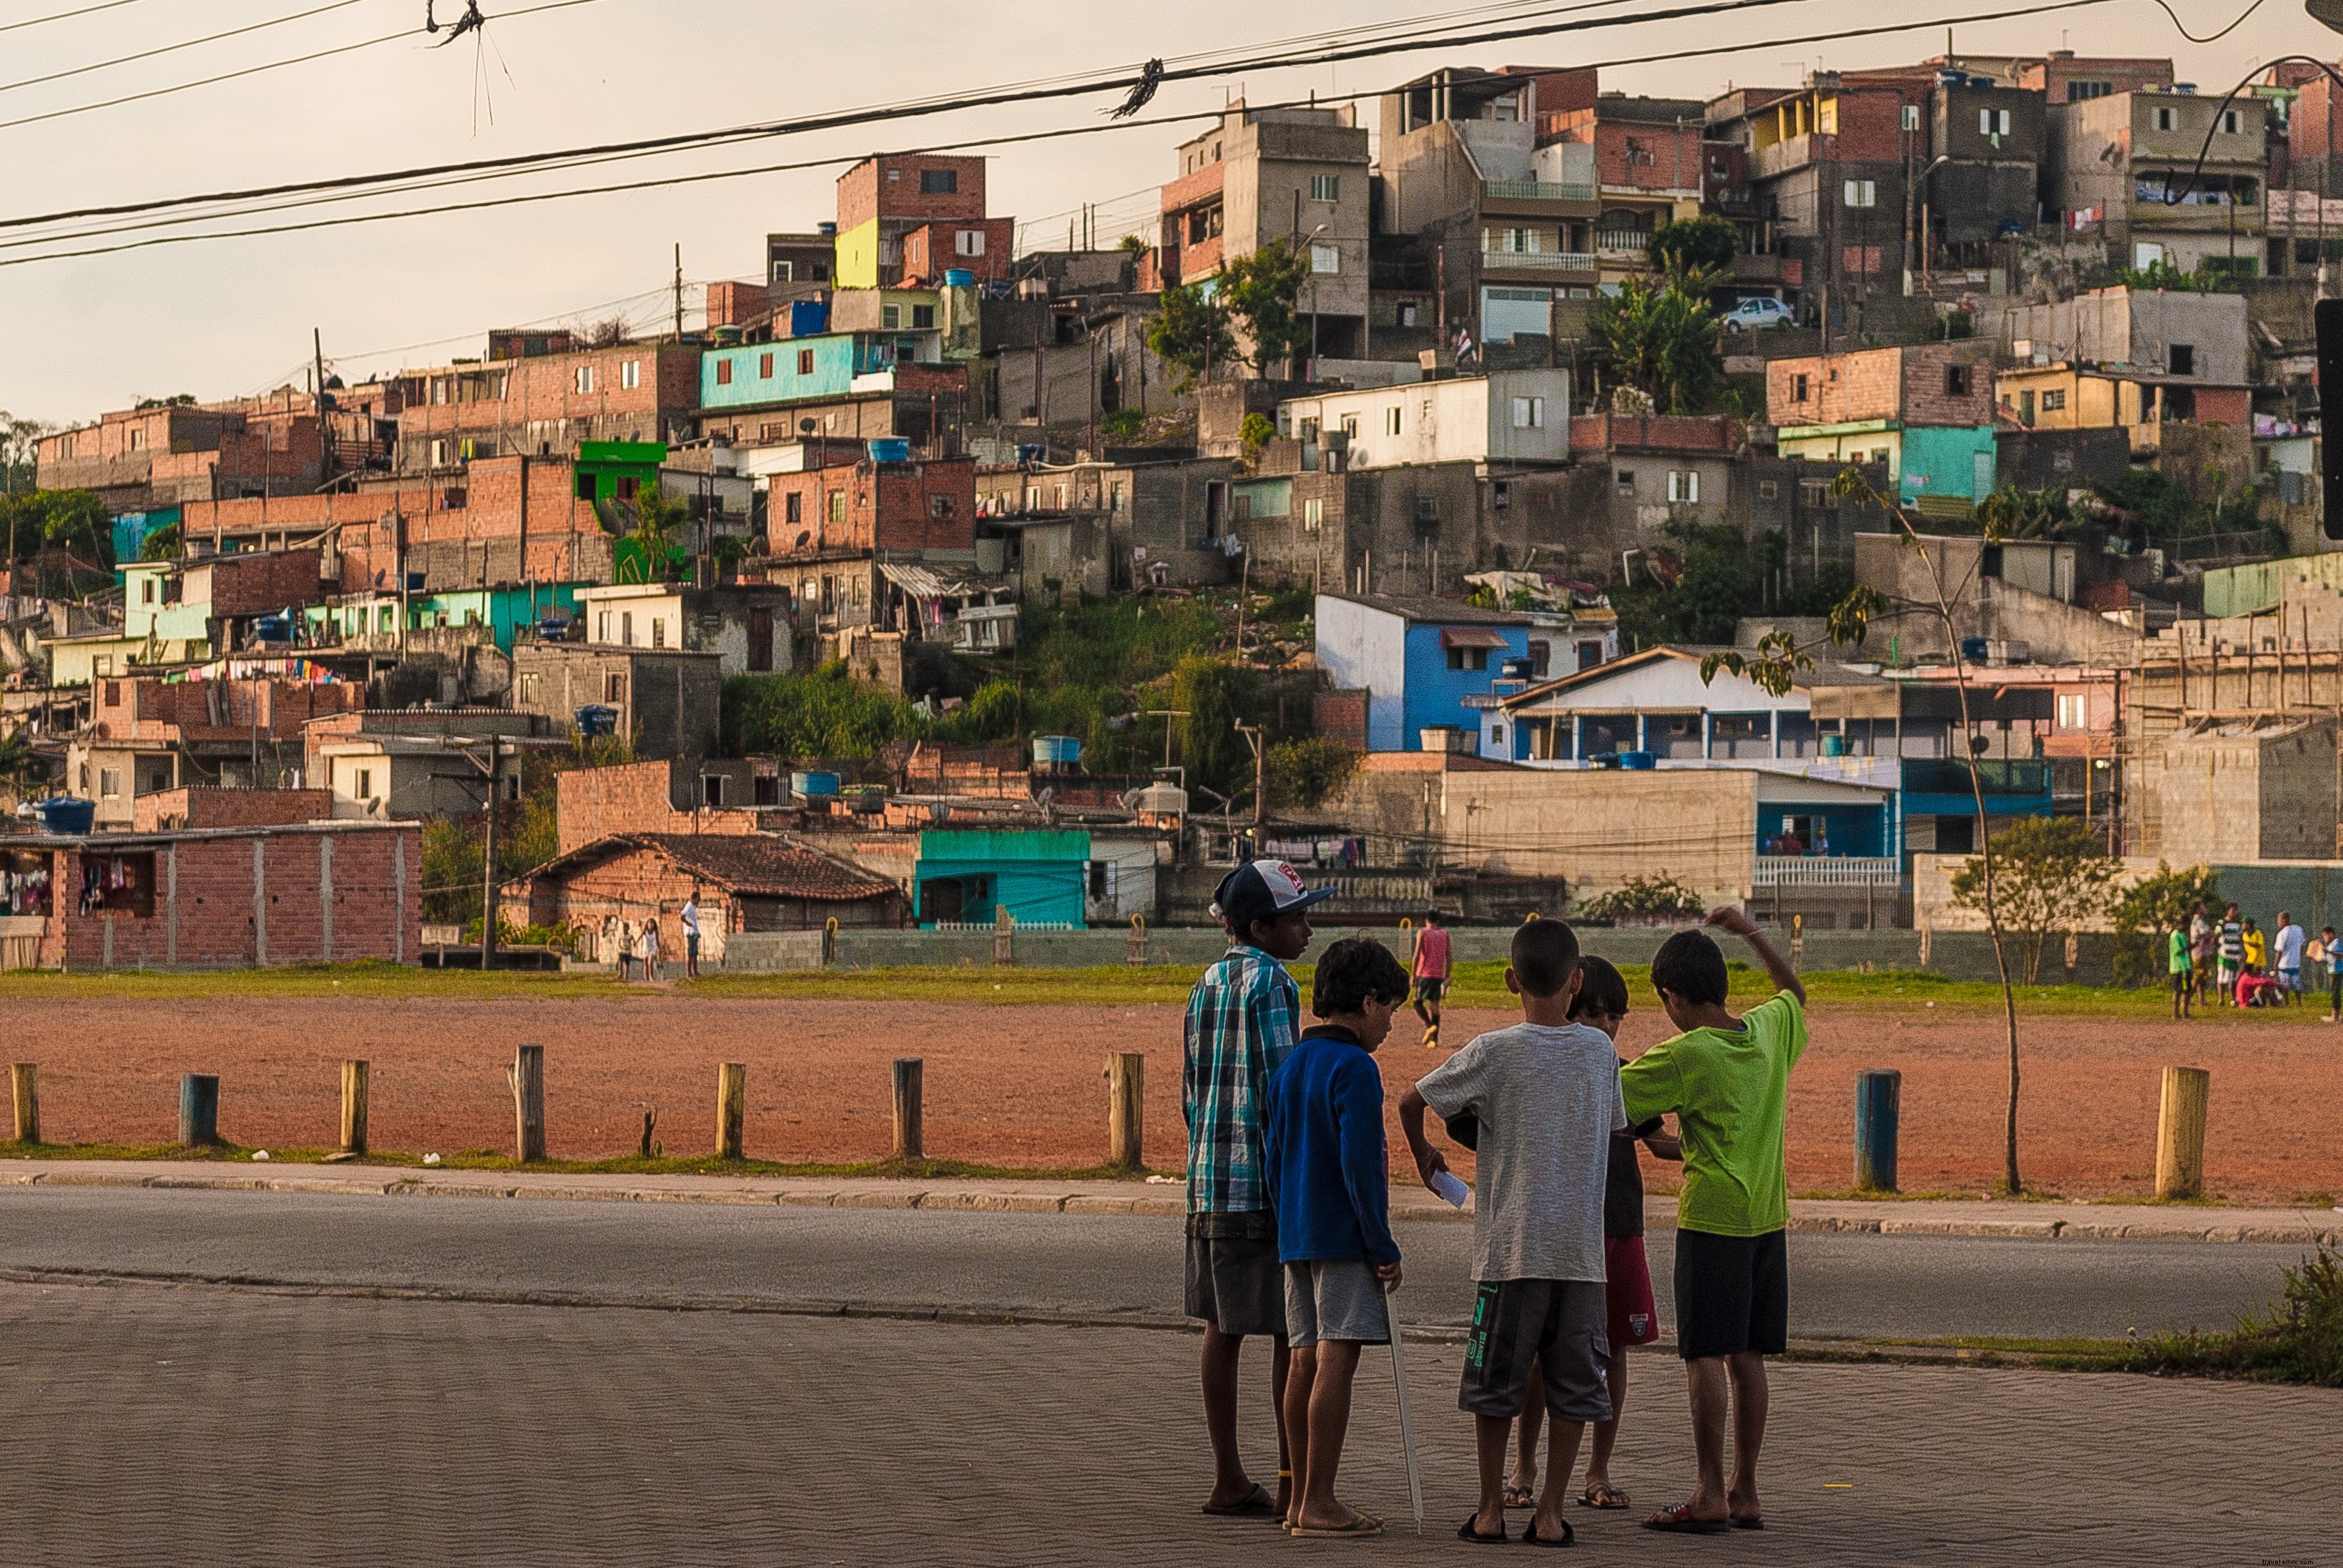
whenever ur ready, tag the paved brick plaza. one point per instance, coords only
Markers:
(206, 1426)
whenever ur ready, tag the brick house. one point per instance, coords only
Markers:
(883, 199)
(215, 898)
(1925, 411)
(744, 882)
(689, 795)
(150, 738)
(518, 403)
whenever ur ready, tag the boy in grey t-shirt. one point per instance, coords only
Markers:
(1545, 1096)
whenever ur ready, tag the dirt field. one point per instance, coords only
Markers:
(1024, 1086)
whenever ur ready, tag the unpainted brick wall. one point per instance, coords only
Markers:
(632, 886)
(637, 798)
(204, 808)
(215, 909)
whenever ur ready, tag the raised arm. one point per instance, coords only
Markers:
(1724, 917)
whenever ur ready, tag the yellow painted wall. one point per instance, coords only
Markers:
(857, 257)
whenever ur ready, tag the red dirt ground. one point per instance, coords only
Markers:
(1025, 1086)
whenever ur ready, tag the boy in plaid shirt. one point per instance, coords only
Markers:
(1243, 1021)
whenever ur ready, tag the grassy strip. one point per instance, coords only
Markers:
(622, 1165)
(1475, 985)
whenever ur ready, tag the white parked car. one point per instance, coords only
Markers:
(1751, 314)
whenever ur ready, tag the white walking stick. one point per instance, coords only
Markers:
(1406, 1426)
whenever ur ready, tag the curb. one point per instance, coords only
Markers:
(1855, 1353)
(1164, 1203)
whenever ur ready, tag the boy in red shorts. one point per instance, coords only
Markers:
(1601, 1004)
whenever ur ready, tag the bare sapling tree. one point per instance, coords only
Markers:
(1774, 664)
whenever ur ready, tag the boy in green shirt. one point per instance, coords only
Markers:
(1726, 1082)
(2175, 949)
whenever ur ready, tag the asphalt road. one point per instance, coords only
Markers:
(1844, 1286)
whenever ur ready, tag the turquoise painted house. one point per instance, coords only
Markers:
(967, 878)
(802, 369)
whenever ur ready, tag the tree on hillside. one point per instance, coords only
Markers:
(1705, 245)
(660, 520)
(1663, 341)
(1265, 293)
(18, 438)
(826, 714)
(2052, 874)
(71, 520)
(1191, 334)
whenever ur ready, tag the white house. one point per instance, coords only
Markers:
(1507, 417)
(746, 624)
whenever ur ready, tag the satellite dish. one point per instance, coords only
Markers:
(2327, 14)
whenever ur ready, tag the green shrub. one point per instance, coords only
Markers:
(1657, 897)
(2298, 1340)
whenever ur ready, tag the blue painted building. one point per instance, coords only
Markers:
(966, 877)
(1429, 666)
(809, 369)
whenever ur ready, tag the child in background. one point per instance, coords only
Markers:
(1431, 975)
(1545, 1095)
(2176, 960)
(1727, 1081)
(2230, 946)
(1241, 1020)
(1329, 1174)
(2334, 963)
(1627, 1277)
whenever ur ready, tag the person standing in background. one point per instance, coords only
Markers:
(690, 917)
(1431, 975)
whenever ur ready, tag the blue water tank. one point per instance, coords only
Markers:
(273, 629)
(1833, 745)
(1032, 451)
(814, 786)
(1637, 762)
(595, 720)
(68, 814)
(1973, 649)
(959, 278)
(552, 630)
(1057, 751)
(889, 449)
(808, 317)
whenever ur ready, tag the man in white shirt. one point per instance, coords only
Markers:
(2287, 944)
(691, 936)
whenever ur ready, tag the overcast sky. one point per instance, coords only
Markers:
(229, 316)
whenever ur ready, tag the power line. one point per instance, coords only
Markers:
(531, 198)
(185, 44)
(63, 15)
(992, 98)
(258, 70)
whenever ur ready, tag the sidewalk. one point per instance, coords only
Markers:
(2045, 1221)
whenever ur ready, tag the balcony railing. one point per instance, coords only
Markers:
(1997, 776)
(1535, 190)
(1827, 871)
(1538, 261)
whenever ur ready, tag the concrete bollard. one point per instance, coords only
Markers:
(355, 1074)
(199, 1110)
(731, 1108)
(1004, 938)
(2180, 1132)
(527, 1078)
(910, 1132)
(1126, 1099)
(1879, 1107)
(26, 1080)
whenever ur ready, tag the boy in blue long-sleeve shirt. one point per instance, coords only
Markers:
(1329, 1175)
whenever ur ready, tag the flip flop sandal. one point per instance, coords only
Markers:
(1605, 1496)
(1465, 1532)
(1569, 1537)
(1757, 1523)
(1257, 1506)
(1520, 1497)
(1679, 1520)
(1359, 1524)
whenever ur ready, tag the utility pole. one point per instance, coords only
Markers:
(679, 291)
(1254, 738)
(318, 407)
(489, 873)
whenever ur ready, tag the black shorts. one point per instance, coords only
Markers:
(1430, 991)
(1235, 1281)
(1733, 1294)
(1560, 1324)
(2179, 981)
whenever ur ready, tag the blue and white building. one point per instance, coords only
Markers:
(1431, 668)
